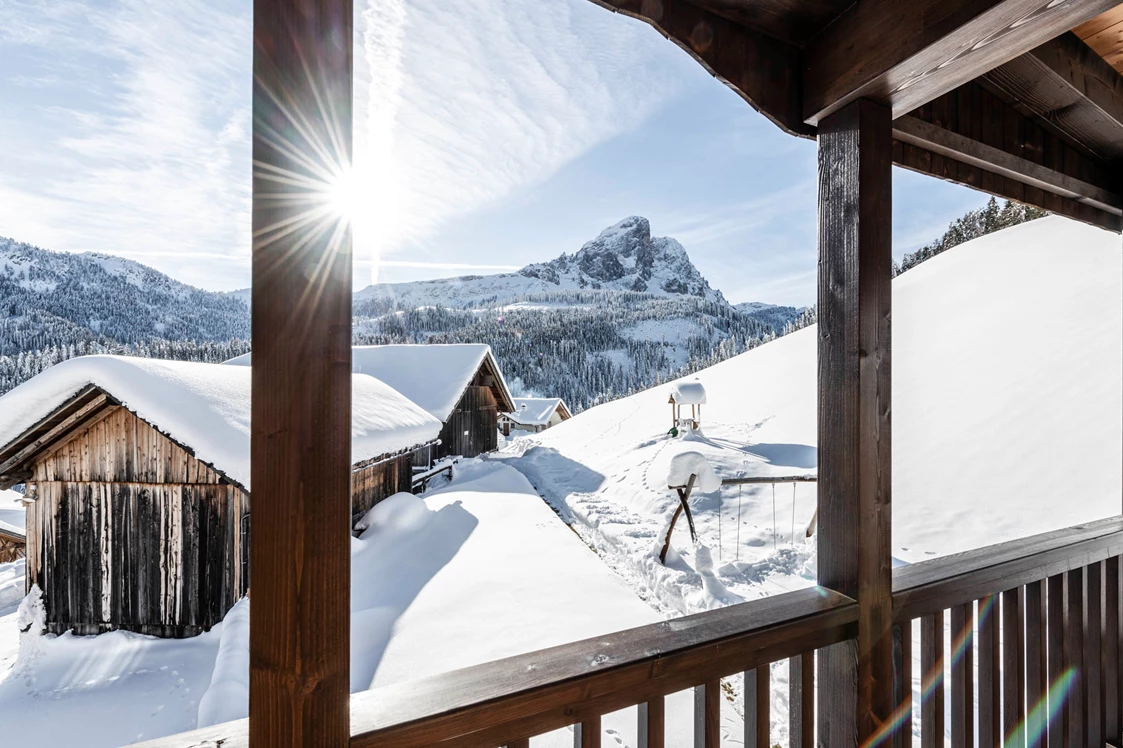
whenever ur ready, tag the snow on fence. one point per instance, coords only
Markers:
(690, 470)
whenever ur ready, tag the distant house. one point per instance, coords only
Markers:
(138, 485)
(534, 414)
(459, 385)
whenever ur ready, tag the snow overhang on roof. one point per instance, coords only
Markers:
(433, 376)
(688, 392)
(203, 407)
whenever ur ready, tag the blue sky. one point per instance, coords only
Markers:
(487, 135)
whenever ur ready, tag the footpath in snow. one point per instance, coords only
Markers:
(478, 570)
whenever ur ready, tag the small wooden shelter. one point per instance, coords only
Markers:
(685, 393)
(138, 502)
(534, 415)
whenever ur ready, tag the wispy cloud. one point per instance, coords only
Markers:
(131, 130)
(469, 103)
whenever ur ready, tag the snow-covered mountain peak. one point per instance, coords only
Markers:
(626, 257)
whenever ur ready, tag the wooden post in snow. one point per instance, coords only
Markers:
(855, 270)
(301, 402)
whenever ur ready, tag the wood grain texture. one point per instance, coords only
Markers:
(761, 69)
(1013, 665)
(1057, 728)
(932, 680)
(905, 54)
(1092, 670)
(301, 380)
(1104, 34)
(963, 676)
(471, 429)
(707, 714)
(794, 21)
(801, 700)
(855, 269)
(902, 684)
(1076, 705)
(1113, 709)
(758, 698)
(651, 729)
(990, 673)
(1073, 89)
(1036, 662)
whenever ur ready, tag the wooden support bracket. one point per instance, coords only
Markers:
(683, 506)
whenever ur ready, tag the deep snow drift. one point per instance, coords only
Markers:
(479, 570)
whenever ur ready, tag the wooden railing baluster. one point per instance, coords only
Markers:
(1058, 727)
(1111, 690)
(652, 716)
(1036, 666)
(902, 683)
(758, 712)
(1093, 694)
(932, 680)
(801, 701)
(1074, 657)
(520, 743)
(963, 676)
(990, 694)
(707, 715)
(586, 734)
(1013, 668)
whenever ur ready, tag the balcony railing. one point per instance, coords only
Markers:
(1040, 616)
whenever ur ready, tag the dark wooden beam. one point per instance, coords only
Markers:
(855, 270)
(764, 71)
(984, 141)
(1072, 88)
(301, 401)
(936, 139)
(904, 54)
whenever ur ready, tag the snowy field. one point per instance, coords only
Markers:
(478, 570)
(1007, 421)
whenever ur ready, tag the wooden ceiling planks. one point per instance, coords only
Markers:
(1104, 34)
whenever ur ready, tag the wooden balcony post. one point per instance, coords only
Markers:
(855, 270)
(301, 406)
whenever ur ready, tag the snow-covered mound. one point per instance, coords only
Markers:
(1007, 421)
(207, 407)
(623, 257)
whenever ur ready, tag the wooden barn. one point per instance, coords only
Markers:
(461, 385)
(137, 474)
(534, 414)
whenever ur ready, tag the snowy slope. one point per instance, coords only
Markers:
(207, 407)
(1007, 382)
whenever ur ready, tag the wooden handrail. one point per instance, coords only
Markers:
(498, 702)
(529, 694)
(932, 586)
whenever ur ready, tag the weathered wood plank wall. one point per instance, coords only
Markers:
(128, 530)
(473, 426)
(374, 483)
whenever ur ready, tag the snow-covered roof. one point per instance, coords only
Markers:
(206, 407)
(12, 514)
(688, 392)
(536, 411)
(433, 376)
